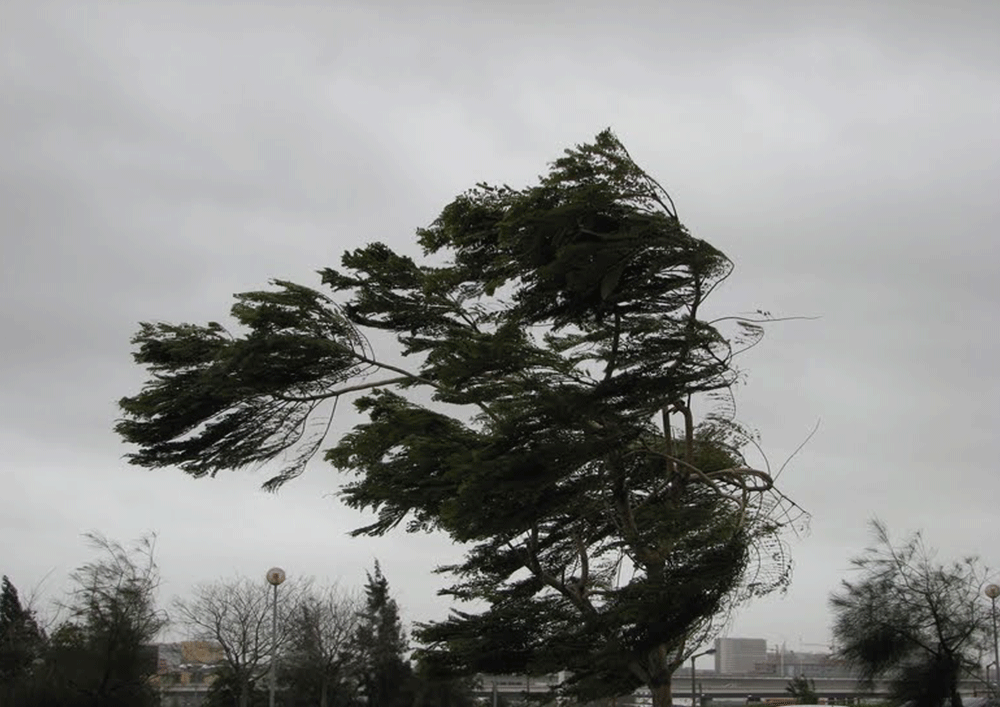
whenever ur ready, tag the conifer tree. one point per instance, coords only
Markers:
(381, 646)
(563, 409)
(21, 639)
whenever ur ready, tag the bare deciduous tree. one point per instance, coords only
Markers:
(237, 614)
(321, 656)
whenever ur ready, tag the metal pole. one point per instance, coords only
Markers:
(693, 687)
(274, 643)
(996, 648)
(993, 591)
(275, 576)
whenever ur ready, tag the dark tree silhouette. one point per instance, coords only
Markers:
(911, 621)
(564, 409)
(381, 646)
(22, 642)
(102, 653)
(322, 660)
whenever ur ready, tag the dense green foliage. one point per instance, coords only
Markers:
(21, 640)
(918, 624)
(22, 643)
(548, 419)
(430, 691)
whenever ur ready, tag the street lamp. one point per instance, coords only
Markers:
(993, 591)
(275, 576)
(694, 687)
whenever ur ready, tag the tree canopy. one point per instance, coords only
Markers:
(542, 407)
(912, 621)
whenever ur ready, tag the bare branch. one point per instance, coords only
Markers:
(340, 391)
(798, 449)
(765, 320)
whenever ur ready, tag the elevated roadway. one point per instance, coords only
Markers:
(722, 687)
(728, 686)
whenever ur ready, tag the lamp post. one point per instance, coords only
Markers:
(275, 576)
(993, 591)
(694, 687)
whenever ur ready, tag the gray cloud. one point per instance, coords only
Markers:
(159, 156)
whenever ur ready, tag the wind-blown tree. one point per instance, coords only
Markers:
(237, 614)
(549, 419)
(909, 620)
(102, 653)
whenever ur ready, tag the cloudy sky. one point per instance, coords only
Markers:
(160, 156)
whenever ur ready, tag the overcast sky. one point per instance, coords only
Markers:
(158, 157)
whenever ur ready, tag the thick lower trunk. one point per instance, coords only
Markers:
(662, 694)
(323, 689)
(956, 699)
(244, 694)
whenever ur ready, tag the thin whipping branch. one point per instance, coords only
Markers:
(340, 391)
(766, 320)
(798, 449)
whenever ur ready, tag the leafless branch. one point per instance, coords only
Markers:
(337, 392)
(798, 449)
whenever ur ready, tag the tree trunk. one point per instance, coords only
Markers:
(323, 689)
(244, 693)
(956, 699)
(663, 694)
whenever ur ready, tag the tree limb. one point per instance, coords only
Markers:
(340, 391)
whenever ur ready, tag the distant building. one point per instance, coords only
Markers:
(185, 671)
(739, 656)
(750, 656)
(789, 663)
(519, 689)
